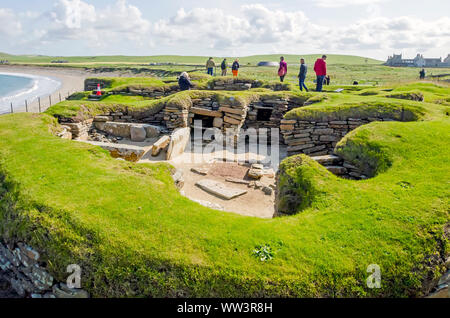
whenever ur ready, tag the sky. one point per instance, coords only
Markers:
(370, 28)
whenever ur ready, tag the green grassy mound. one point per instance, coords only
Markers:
(133, 234)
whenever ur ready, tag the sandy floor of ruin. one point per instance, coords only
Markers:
(254, 203)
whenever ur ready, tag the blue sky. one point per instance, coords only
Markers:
(373, 28)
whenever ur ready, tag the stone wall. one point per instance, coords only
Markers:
(233, 84)
(316, 138)
(22, 268)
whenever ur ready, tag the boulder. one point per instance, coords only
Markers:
(138, 133)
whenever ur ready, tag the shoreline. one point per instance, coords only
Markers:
(70, 81)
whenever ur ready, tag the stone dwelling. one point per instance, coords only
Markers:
(418, 61)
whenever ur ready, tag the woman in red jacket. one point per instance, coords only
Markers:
(282, 71)
(321, 71)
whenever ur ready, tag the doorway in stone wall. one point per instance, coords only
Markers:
(264, 114)
(206, 121)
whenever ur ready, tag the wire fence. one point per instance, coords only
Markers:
(36, 105)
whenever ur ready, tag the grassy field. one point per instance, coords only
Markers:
(135, 235)
(343, 69)
(252, 60)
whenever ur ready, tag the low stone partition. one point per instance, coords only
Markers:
(22, 268)
(134, 131)
(126, 152)
(317, 138)
(150, 92)
(233, 84)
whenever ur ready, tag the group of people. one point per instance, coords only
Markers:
(210, 65)
(320, 68)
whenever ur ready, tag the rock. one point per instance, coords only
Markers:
(218, 122)
(127, 152)
(267, 190)
(337, 170)
(178, 142)
(445, 279)
(219, 189)
(103, 119)
(178, 179)
(160, 145)
(138, 133)
(208, 204)
(269, 173)
(258, 185)
(200, 171)
(238, 181)
(257, 166)
(255, 173)
(327, 160)
(152, 131)
(62, 291)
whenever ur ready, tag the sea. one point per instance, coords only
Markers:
(15, 88)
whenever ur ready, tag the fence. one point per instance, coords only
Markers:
(39, 104)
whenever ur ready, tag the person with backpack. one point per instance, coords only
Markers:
(302, 75)
(321, 71)
(184, 82)
(210, 65)
(282, 71)
(224, 66)
(235, 67)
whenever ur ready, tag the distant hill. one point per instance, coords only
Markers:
(253, 60)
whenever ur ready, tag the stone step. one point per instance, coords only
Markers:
(327, 160)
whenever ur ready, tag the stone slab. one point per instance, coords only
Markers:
(219, 189)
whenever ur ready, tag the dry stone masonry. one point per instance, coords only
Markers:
(22, 268)
(317, 138)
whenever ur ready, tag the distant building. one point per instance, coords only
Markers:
(418, 61)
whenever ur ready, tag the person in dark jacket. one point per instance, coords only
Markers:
(302, 75)
(224, 66)
(235, 67)
(184, 82)
(422, 74)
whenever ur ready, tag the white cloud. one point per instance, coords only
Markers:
(344, 3)
(10, 26)
(121, 28)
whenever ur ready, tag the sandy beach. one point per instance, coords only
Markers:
(72, 80)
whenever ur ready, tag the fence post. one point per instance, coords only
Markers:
(12, 111)
(26, 106)
(50, 99)
(39, 99)
(60, 97)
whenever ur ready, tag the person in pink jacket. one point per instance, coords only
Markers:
(282, 71)
(321, 71)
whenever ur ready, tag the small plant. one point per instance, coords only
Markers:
(264, 253)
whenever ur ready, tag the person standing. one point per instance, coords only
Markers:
(224, 66)
(210, 65)
(282, 71)
(235, 67)
(321, 71)
(184, 82)
(422, 74)
(302, 75)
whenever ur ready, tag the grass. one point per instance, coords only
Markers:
(133, 234)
